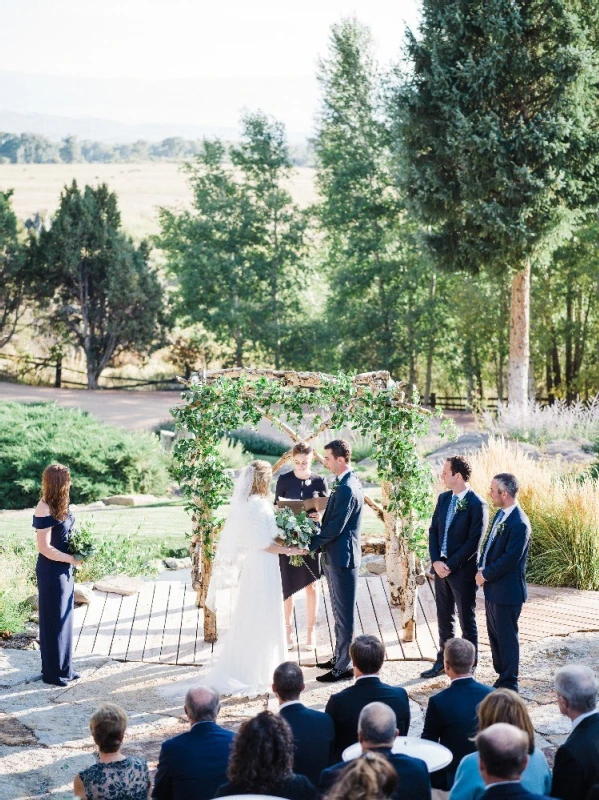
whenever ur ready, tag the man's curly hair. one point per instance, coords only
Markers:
(262, 754)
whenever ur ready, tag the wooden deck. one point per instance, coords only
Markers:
(162, 624)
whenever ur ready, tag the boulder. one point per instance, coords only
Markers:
(94, 506)
(373, 564)
(83, 594)
(129, 500)
(177, 563)
(119, 584)
(32, 602)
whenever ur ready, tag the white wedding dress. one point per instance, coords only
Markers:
(245, 591)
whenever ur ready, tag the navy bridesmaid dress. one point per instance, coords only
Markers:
(56, 587)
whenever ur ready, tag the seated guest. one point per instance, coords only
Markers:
(576, 767)
(377, 730)
(451, 714)
(262, 761)
(367, 654)
(503, 705)
(503, 755)
(194, 764)
(369, 778)
(313, 731)
(114, 774)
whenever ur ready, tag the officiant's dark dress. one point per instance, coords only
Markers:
(56, 588)
(293, 488)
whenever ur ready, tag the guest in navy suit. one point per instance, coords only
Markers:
(576, 767)
(503, 756)
(194, 764)
(377, 730)
(451, 716)
(313, 732)
(502, 573)
(367, 655)
(460, 520)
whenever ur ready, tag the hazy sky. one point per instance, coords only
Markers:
(162, 40)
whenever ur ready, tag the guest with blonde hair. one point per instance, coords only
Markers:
(115, 775)
(506, 706)
(368, 778)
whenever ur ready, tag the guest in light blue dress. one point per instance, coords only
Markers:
(502, 705)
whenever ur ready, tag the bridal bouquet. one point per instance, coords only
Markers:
(295, 531)
(81, 543)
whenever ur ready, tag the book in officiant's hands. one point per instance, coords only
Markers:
(297, 506)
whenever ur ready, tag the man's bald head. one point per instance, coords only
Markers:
(377, 725)
(202, 704)
(503, 752)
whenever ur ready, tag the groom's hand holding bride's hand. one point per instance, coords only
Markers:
(297, 551)
(315, 515)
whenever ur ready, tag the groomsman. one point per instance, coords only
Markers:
(502, 573)
(460, 519)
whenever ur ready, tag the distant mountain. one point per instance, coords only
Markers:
(104, 130)
(125, 109)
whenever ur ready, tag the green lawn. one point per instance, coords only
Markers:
(167, 522)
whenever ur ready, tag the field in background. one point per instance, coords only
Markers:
(141, 188)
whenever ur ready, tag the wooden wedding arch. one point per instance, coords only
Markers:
(218, 401)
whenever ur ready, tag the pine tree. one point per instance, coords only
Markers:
(496, 132)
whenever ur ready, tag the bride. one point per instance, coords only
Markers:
(246, 581)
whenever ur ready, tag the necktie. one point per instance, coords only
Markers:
(496, 522)
(448, 521)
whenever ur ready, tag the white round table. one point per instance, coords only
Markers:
(436, 756)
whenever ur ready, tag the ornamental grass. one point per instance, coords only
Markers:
(563, 508)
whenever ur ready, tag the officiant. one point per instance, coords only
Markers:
(301, 483)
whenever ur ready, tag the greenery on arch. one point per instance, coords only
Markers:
(215, 406)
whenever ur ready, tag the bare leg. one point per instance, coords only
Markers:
(288, 603)
(311, 611)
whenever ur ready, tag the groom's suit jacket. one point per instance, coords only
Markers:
(464, 534)
(505, 570)
(340, 529)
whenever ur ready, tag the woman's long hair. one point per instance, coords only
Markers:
(56, 485)
(505, 705)
(262, 754)
(370, 777)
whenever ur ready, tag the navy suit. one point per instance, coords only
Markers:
(576, 767)
(344, 709)
(457, 590)
(340, 539)
(412, 773)
(505, 593)
(451, 720)
(193, 765)
(511, 791)
(313, 736)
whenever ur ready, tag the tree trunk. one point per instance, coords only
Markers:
(432, 291)
(401, 570)
(201, 572)
(519, 340)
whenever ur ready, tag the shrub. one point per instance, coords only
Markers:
(17, 584)
(256, 443)
(563, 510)
(362, 446)
(539, 424)
(103, 460)
(233, 454)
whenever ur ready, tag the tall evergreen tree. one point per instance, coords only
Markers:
(13, 279)
(496, 130)
(97, 284)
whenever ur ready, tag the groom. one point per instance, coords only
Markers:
(340, 539)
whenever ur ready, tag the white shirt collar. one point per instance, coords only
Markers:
(579, 719)
(343, 474)
(499, 783)
(508, 511)
(463, 494)
(461, 678)
(290, 703)
(359, 678)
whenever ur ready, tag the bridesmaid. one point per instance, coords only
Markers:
(301, 484)
(53, 521)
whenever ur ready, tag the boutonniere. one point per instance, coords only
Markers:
(461, 505)
(334, 487)
(500, 529)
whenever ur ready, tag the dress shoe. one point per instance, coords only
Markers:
(330, 664)
(74, 676)
(335, 675)
(436, 670)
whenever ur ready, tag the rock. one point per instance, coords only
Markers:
(32, 602)
(129, 500)
(94, 506)
(372, 544)
(548, 721)
(83, 594)
(119, 584)
(32, 630)
(155, 564)
(573, 451)
(373, 564)
(467, 443)
(177, 563)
